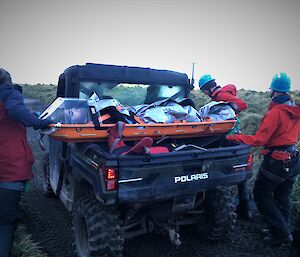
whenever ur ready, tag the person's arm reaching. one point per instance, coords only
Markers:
(16, 109)
(267, 128)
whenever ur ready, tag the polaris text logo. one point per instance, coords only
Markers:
(188, 178)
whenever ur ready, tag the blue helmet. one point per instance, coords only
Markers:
(205, 79)
(281, 83)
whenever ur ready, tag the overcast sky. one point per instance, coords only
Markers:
(241, 42)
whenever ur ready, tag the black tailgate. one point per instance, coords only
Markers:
(165, 176)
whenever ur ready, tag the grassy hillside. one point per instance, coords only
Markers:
(45, 93)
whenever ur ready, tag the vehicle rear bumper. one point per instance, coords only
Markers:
(135, 190)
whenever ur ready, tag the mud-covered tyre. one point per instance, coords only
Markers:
(96, 230)
(219, 215)
(47, 189)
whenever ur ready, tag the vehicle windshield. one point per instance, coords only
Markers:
(130, 94)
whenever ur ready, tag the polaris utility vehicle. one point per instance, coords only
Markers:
(113, 196)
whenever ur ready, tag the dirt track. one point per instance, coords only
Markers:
(49, 223)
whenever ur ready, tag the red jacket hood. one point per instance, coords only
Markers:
(230, 89)
(293, 110)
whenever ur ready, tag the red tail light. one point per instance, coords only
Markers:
(110, 178)
(250, 162)
(111, 173)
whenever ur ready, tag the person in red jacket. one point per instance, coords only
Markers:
(16, 157)
(228, 94)
(278, 132)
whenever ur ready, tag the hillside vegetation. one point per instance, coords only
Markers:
(45, 93)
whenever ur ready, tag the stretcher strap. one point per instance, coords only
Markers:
(107, 116)
(138, 120)
(95, 119)
(117, 137)
(114, 144)
(104, 117)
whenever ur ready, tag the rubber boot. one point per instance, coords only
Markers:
(243, 210)
(295, 249)
(277, 241)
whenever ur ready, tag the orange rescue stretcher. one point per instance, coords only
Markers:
(133, 132)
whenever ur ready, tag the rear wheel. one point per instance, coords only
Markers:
(97, 230)
(219, 215)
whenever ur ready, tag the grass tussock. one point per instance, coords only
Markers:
(250, 123)
(24, 246)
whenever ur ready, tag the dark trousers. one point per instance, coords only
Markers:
(295, 249)
(9, 215)
(272, 192)
(243, 194)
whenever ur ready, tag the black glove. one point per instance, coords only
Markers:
(44, 123)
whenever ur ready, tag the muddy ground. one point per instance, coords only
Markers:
(49, 223)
